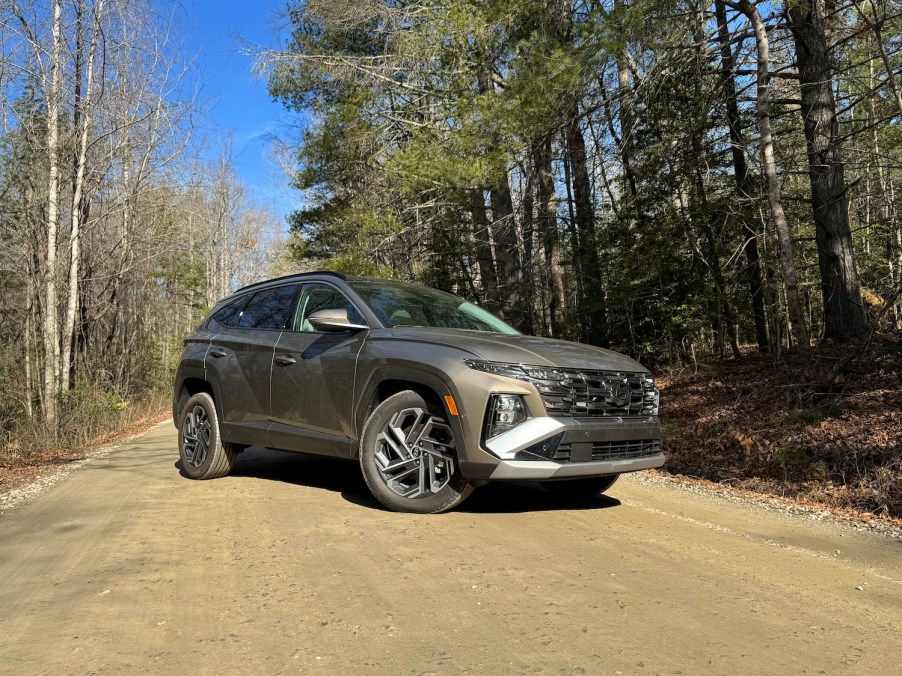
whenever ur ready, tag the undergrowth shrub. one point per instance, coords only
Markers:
(86, 413)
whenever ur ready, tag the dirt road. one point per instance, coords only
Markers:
(289, 566)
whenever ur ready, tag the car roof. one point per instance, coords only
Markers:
(298, 275)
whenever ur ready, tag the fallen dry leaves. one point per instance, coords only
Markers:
(793, 428)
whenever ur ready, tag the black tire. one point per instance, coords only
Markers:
(404, 466)
(581, 488)
(203, 454)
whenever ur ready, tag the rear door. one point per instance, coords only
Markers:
(239, 361)
(313, 377)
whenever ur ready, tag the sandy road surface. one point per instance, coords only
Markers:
(289, 566)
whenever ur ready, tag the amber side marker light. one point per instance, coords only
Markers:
(452, 407)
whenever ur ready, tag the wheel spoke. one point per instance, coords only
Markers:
(392, 467)
(414, 453)
(422, 479)
(435, 453)
(434, 468)
(403, 475)
(400, 449)
(196, 436)
(418, 429)
(203, 445)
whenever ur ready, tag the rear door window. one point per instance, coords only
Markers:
(269, 308)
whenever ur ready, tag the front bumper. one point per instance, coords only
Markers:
(548, 447)
(539, 470)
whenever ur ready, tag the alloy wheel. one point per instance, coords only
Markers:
(414, 453)
(196, 436)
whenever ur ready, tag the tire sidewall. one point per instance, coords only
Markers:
(450, 496)
(205, 401)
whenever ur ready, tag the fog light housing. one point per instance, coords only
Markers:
(505, 412)
(543, 450)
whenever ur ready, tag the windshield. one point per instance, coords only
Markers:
(399, 304)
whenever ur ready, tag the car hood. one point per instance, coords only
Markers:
(519, 349)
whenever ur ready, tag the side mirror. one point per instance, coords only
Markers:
(334, 320)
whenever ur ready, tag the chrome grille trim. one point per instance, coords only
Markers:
(595, 393)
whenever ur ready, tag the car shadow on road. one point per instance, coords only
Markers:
(343, 477)
(517, 497)
(316, 471)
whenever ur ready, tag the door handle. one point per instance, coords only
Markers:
(285, 360)
(217, 352)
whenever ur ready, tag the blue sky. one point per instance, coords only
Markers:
(239, 107)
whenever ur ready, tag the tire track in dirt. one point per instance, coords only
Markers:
(289, 566)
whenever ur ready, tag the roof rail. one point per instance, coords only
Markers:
(301, 275)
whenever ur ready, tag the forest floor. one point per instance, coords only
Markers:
(803, 428)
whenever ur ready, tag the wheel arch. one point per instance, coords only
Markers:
(191, 385)
(384, 384)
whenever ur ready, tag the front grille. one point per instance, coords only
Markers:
(598, 393)
(610, 450)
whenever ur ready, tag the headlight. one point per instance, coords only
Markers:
(505, 412)
(498, 368)
(651, 396)
(518, 371)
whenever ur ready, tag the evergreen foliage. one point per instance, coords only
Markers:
(572, 166)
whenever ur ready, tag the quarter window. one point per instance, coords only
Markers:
(228, 316)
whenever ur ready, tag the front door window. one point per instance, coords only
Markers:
(316, 297)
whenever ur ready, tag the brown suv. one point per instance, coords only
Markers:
(430, 393)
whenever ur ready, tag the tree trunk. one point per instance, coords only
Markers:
(741, 175)
(527, 260)
(82, 117)
(874, 23)
(507, 255)
(546, 196)
(591, 304)
(624, 95)
(50, 324)
(793, 302)
(844, 317)
(27, 338)
(896, 274)
(485, 262)
(712, 258)
(723, 321)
